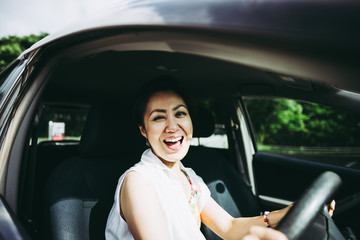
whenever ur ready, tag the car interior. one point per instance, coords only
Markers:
(67, 187)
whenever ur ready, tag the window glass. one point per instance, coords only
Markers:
(219, 138)
(8, 78)
(59, 123)
(305, 130)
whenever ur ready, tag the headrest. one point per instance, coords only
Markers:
(203, 123)
(110, 130)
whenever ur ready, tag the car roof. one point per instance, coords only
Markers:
(299, 49)
(331, 22)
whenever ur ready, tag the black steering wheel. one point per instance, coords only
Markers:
(305, 210)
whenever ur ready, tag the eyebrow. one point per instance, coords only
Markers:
(164, 111)
(179, 106)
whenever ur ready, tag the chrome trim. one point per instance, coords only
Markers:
(275, 200)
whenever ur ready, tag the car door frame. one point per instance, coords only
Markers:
(268, 171)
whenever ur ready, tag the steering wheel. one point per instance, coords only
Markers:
(305, 210)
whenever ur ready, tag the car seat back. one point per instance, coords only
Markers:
(109, 145)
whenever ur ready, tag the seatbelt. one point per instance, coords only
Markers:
(234, 132)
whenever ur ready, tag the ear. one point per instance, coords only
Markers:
(143, 131)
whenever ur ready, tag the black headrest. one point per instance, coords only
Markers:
(203, 122)
(110, 130)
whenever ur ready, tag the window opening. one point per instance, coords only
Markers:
(219, 138)
(62, 123)
(305, 130)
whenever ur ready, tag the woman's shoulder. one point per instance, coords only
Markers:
(135, 188)
(139, 175)
(134, 179)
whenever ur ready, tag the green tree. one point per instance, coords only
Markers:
(12, 46)
(331, 126)
(274, 119)
(296, 123)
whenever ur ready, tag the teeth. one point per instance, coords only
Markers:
(173, 140)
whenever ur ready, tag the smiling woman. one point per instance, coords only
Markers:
(162, 108)
(167, 126)
(164, 120)
(221, 52)
(175, 195)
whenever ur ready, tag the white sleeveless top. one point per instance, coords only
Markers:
(180, 220)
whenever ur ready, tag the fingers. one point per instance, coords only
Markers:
(261, 233)
(332, 208)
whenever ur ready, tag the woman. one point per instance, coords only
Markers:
(159, 198)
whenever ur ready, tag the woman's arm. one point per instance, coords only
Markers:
(141, 209)
(227, 227)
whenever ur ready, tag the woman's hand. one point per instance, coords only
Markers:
(261, 233)
(332, 208)
(275, 217)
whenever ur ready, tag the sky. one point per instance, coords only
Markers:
(25, 17)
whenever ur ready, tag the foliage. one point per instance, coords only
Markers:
(294, 123)
(11, 47)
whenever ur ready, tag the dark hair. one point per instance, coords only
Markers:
(160, 84)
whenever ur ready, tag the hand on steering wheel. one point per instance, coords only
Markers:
(304, 211)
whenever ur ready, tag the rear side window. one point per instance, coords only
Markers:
(60, 123)
(219, 138)
(305, 130)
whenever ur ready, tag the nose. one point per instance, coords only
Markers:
(172, 125)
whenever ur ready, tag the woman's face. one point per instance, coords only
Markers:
(167, 126)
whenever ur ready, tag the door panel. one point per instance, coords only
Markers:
(10, 227)
(286, 178)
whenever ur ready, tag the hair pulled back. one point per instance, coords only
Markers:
(160, 84)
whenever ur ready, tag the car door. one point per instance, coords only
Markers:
(295, 142)
(10, 227)
(15, 112)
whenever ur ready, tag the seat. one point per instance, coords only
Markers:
(49, 155)
(83, 186)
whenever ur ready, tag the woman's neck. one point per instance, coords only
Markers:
(174, 166)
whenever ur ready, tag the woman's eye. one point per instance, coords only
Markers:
(181, 114)
(157, 118)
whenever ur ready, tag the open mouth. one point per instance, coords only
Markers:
(174, 143)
